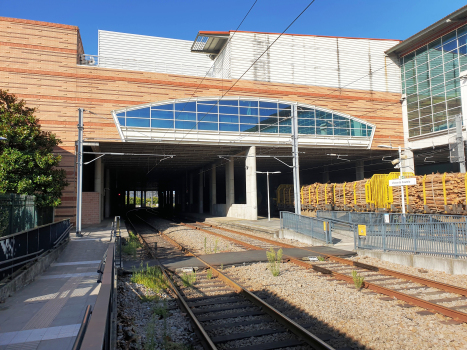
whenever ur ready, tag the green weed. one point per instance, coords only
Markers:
(274, 261)
(357, 279)
(189, 279)
(320, 258)
(132, 245)
(151, 277)
(209, 274)
(222, 267)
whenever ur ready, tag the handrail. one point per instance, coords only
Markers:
(82, 329)
(31, 229)
(97, 336)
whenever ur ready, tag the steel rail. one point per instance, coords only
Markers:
(430, 283)
(457, 315)
(294, 327)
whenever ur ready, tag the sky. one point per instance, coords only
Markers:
(182, 19)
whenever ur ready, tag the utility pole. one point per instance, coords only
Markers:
(296, 167)
(460, 144)
(79, 172)
(402, 187)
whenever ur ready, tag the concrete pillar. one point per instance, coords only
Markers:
(409, 164)
(107, 193)
(359, 170)
(229, 184)
(325, 174)
(98, 186)
(213, 189)
(251, 188)
(200, 192)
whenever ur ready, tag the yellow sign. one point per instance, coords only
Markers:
(362, 230)
(324, 225)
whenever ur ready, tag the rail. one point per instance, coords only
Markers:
(316, 228)
(23, 247)
(100, 333)
(387, 218)
(441, 239)
(149, 66)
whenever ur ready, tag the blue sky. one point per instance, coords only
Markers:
(182, 19)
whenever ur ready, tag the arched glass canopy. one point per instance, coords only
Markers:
(242, 115)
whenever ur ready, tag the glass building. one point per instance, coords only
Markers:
(430, 81)
(241, 116)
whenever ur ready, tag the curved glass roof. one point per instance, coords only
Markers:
(241, 115)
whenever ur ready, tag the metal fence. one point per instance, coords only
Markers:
(369, 218)
(314, 227)
(20, 213)
(441, 239)
(23, 247)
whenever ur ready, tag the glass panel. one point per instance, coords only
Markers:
(138, 113)
(167, 124)
(448, 37)
(451, 112)
(411, 81)
(228, 118)
(323, 127)
(462, 30)
(434, 53)
(228, 127)
(423, 85)
(422, 77)
(186, 106)
(422, 68)
(268, 104)
(437, 71)
(207, 126)
(268, 120)
(167, 107)
(207, 108)
(228, 103)
(437, 90)
(248, 103)
(306, 113)
(306, 131)
(421, 55)
(462, 40)
(414, 123)
(413, 115)
(425, 111)
(185, 125)
(409, 61)
(425, 102)
(438, 98)
(284, 106)
(306, 122)
(288, 121)
(341, 132)
(462, 56)
(228, 110)
(185, 116)
(287, 130)
(455, 83)
(412, 99)
(248, 111)
(205, 117)
(269, 129)
(414, 132)
(249, 120)
(249, 128)
(437, 80)
(456, 102)
(411, 90)
(121, 121)
(453, 93)
(426, 120)
(267, 112)
(427, 128)
(439, 117)
(440, 107)
(410, 74)
(440, 126)
(141, 123)
(162, 114)
(122, 114)
(454, 64)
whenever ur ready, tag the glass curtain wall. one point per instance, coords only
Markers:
(430, 80)
(242, 116)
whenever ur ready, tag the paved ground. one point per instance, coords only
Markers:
(47, 313)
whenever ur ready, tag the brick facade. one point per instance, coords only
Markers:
(90, 207)
(38, 63)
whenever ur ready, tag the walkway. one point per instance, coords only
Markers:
(47, 313)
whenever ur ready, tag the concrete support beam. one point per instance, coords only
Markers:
(201, 190)
(229, 184)
(359, 170)
(190, 193)
(251, 186)
(213, 189)
(408, 165)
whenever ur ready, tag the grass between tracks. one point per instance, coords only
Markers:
(151, 277)
(132, 245)
(275, 260)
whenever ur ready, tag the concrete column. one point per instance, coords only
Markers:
(251, 212)
(229, 185)
(200, 193)
(107, 193)
(359, 170)
(409, 164)
(98, 186)
(325, 174)
(213, 189)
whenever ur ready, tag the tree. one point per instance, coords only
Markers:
(27, 164)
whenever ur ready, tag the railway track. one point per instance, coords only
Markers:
(436, 297)
(225, 314)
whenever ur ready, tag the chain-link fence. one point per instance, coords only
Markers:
(20, 213)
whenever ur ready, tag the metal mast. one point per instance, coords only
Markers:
(79, 171)
(296, 167)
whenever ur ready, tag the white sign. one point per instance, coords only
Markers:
(403, 182)
(386, 218)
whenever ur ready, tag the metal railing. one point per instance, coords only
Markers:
(371, 218)
(100, 333)
(23, 247)
(314, 227)
(440, 239)
(148, 66)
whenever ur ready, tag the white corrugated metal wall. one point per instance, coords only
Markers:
(149, 53)
(312, 60)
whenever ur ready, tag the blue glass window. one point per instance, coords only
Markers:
(268, 104)
(122, 114)
(186, 106)
(185, 116)
(207, 126)
(212, 108)
(206, 117)
(248, 103)
(306, 122)
(167, 107)
(249, 120)
(228, 102)
(228, 110)
(138, 113)
(249, 128)
(165, 124)
(228, 127)
(286, 130)
(269, 129)
(162, 114)
(228, 118)
(306, 131)
(121, 121)
(267, 112)
(248, 111)
(268, 120)
(143, 123)
(185, 125)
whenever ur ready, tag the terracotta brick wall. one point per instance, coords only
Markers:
(90, 207)
(38, 64)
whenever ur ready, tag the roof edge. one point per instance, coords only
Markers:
(39, 23)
